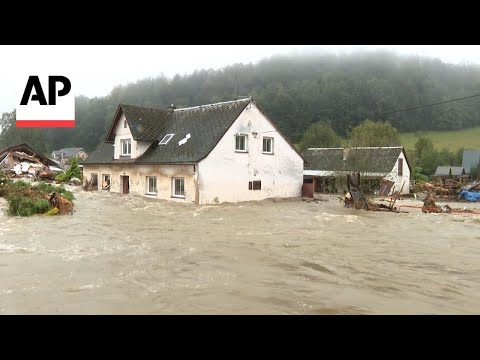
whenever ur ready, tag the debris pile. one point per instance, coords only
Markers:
(21, 161)
(25, 199)
(471, 191)
(434, 190)
(356, 197)
(429, 206)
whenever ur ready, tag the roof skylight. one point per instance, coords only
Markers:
(166, 139)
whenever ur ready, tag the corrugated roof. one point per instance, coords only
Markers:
(206, 125)
(364, 159)
(445, 171)
(470, 159)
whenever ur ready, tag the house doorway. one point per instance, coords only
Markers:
(126, 184)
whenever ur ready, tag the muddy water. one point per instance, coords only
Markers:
(131, 255)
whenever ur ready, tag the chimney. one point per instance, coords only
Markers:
(172, 107)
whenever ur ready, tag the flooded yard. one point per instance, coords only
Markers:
(131, 255)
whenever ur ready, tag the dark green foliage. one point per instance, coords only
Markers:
(20, 184)
(423, 145)
(4, 180)
(370, 133)
(46, 188)
(320, 135)
(427, 158)
(26, 200)
(25, 206)
(295, 91)
(418, 176)
(475, 172)
(72, 172)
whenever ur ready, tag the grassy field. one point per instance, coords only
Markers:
(452, 140)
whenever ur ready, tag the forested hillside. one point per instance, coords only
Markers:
(296, 91)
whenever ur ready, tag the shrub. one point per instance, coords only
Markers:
(25, 206)
(73, 172)
(46, 188)
(20, 185)
(61, 178)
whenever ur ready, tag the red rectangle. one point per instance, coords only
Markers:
(45, 123)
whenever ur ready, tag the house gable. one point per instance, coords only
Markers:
(144, 123)
(277, 171)
(123, 132)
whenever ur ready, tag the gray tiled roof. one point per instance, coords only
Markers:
(445, 171)
(470, 159)
(366, 159)
(69, 152)
(206, 125)
(145, 124)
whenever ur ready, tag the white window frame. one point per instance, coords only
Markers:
(174, 189)
(246, 143)
(122, 142)
(148, 192)
(103, 180)
(271, 146)
(166, 139)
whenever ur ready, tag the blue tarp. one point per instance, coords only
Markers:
(469, 195)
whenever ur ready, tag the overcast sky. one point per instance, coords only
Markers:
(95, 70)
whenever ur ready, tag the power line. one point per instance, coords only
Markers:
(423, 106)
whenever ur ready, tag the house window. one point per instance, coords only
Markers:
(94, 181)
(250, 185)
(152, 185)
(127, 147)
(178, 185)
(257, 185)
(106, 182)
(400, 167)
(241, 143)
(166, 139)
(268, 145)
(125, 123)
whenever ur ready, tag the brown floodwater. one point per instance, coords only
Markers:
(131, 255)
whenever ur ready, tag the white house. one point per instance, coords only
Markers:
(223, 152)
(324, 166)
(63, 155)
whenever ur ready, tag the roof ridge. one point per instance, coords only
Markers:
(145, 107)
(214, 104)
(356, 147)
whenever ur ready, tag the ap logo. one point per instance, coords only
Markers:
(46, 101)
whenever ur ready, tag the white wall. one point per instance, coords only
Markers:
(121, 133)
(81, 154)
(393, 176)
(224, 174)
(138, 179)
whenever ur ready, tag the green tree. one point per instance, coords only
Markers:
(423, 145)
(475, 171)
(295, 91)
(320, 135)
(429, 162)
(418, 176)
(73, 171)
(370, 133)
